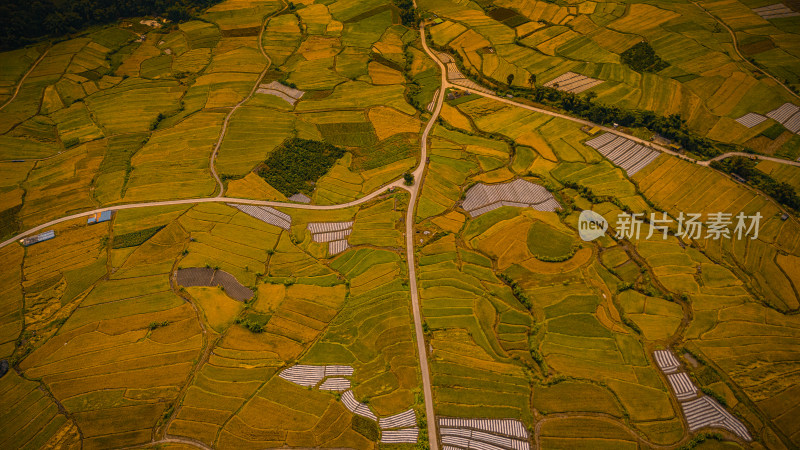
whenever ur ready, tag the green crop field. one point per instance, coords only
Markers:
(388, 224)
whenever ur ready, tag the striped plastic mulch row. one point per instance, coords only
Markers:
(700, 412)
(504, 427)
(468, 439)
(775, 11)
(572, 82)
(482, 198)
(666, 361)
(356, 407)
(787, 115)
(266, 214)
(627, 154)
(682, 386)
(404, 419)
(706, 412)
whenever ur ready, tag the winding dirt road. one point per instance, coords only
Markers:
(190, 201)
(749, 155)
(224, 130)
(419, 174)
(738, 52)
(22, 80)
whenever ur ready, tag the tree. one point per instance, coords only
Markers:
(408, 179)
(54, 23)
(532, 79)
(178, 14)
(510, 79)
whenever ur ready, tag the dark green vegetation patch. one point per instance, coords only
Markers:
(388, 151)
(135, 238)
(642, 58)
(548, 244)
(254, 322)
(774, 131)
(24, 22)
(365, 427)
(348, 134)
(508, 17)
(581, 325)
(8, 221)
(741, 166)
(297, 164)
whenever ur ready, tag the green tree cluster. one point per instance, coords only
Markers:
(27, 21)
(745, 168)
(297, 164)
(642, 58)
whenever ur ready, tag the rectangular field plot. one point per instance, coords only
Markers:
(629, 155)
(572, 82)
(290, 95)
(788, 115)
(404, 436)
(776, 11)
(492, 434)
(334, 233)
(666, 361)
(751, 119)
(682, 386)
(401, 420)
(266, 214)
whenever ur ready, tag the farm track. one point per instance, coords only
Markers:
(398, 183)
(419, 174)
(224, 129)
(749, 155)
(22, 80)
(414, 190)
(209, 342)
(736, 47)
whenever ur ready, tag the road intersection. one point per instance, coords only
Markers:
(414, 190)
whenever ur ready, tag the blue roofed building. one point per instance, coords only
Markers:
(104, 216)
(47, 235)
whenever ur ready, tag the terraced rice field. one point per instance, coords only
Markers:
(243, 326)
(152, 325)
